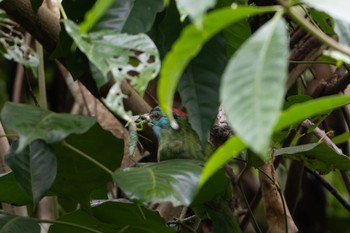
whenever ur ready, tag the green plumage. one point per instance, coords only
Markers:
(174, 144)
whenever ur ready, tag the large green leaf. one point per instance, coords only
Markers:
(34, 168)
(188, 46)
(134, 217)
(114, 17)
(232, 147)
(168, 30)
(343, 31)
(129, 16)
(253, 85)
(295, 114)
(94, 14)
(114, 217)
(142, 16)
(317, 157)
(10, 192)
(33, 123)
(199, 87)
(81, 222)
(338, 9)
(236, 33)
(13, 224)
(77, 177)
(323, 21)
(223, 220)
(195, 9)
(118, 56)
(299, 112)
(171, 180)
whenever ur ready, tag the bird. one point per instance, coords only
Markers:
(181, 143)
(184, 143)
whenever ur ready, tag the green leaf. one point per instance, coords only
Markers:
(10, 192)
(93, 15)
(77, 11)
(216, 186)
(142, 16)
(77, 177)
(236, 33)
(12, 224)
(171, 180)
(223, 220)
(34, 168)
(195, 9)
(136, 218)
(343, 32)
(299, 112)
(199, 87)
(118, 56)
(322, 20)
(114, 217)
(169, 29)
(342, 138)
(295, 114)
(253, 85)
(115, 16)
(83, 223)
(129, 16)
(232, 147)
(33, 123)
(188, 46)
(317, 157)
(338, 9)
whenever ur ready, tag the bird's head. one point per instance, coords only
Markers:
(159, 121)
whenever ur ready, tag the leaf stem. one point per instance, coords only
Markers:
(313, 30)
(41, 76)
(64, 15)
(312, 62)
(97, 163)
(9, 136)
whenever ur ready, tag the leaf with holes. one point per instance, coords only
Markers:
(13, 46)
(118, 56)
(175, 181)
(34, 168)
(253, 85)
(33, 123)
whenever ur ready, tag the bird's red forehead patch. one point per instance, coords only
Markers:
(179, 112)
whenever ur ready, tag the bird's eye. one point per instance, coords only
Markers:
(155, 116)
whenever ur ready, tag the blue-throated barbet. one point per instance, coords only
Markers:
(174, 144)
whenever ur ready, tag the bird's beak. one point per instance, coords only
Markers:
(146, 118)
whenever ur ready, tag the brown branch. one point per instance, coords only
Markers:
(319, 133)
(43, 26)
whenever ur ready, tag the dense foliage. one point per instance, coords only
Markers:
(264, 81)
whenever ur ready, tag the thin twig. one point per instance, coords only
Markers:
(331, 189)
(322, 136)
